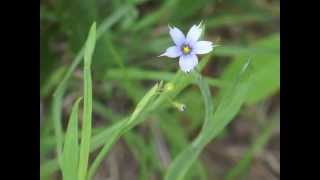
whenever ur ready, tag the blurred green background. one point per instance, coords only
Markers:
(130, 36)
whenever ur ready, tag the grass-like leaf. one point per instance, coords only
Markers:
(141, 74)
(255, 149)
(114, 132)
(177, 140)
(52, 81)
(186, 159)
(129, 36)
(265, 72)
(56, 114)
(115, 135)
(180, 81)
(105, 25)
(153, 17)
(70, 154)
(214, 123)
(235, 19)
(87, 107)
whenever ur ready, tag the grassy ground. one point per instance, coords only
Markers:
(135, 122)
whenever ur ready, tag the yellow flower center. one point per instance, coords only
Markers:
(186, 49)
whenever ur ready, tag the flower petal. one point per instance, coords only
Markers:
(203, 47)
(188, 62)
(172, 52)
(177, 36)
(194, 33)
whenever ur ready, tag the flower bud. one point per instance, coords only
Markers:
(169, 87)
(181, 107)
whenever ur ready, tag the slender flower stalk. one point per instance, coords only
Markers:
(187, 48)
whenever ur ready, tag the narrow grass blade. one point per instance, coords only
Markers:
(70, 154)
(176, 138)
(180, 81)
(87, 107)
(255, 148)
(265, 68)
(235, 19)
(52, 81)
(215, 122)
(136, 143)
(105, 25)
(56, 115)
(154, 17)
(185, 160)
(140, 74)
(123, 127)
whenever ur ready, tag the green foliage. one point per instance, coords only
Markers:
(56, 114)
(215, 122)
(120, 65)
(70, 154)
(128, 123)
(87, 105)
(105, 25)
(265, 68)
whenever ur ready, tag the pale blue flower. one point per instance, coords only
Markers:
(187, 48)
